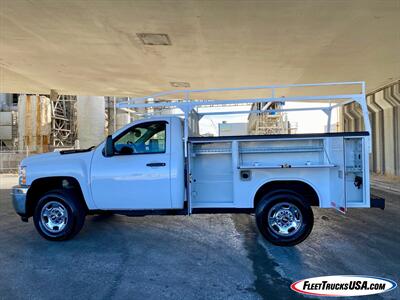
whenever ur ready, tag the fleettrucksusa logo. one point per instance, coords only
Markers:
(343, 285)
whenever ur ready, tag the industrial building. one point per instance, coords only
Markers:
(40, 123)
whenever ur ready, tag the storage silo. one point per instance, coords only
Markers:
(122, 119)
(91, 120)
(34, 123)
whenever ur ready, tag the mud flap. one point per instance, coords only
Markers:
(377, 202)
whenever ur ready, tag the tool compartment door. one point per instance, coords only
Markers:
(356, 172)
(335, 151)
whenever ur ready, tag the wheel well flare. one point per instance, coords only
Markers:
(42, 185)
(296, 186)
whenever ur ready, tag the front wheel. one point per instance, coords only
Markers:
(284, 218)
(59, 215)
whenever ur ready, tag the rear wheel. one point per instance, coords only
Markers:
(284, 218)
(59, 215)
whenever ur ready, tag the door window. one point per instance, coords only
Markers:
(142, 139)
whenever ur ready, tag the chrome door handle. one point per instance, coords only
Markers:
(158, 164)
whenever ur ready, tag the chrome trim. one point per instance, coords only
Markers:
(285, 219)
(18, 194)
(54, 216)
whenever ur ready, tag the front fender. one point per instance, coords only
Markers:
(76, 165)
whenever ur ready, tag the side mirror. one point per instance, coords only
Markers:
(109, 148)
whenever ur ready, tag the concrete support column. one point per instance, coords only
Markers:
(354, 117)
(377, 134)
(348, 119)
(117, 118)
(122, 119)
(91, 120)
(384, 109)
(388, 146)
(393, 96)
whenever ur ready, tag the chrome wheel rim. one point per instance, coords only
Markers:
(285, 219)
(54, 216)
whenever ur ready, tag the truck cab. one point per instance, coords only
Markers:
(145, 169)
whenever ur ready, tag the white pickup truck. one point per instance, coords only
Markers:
(161, 165)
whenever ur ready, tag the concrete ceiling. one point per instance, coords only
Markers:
(92, 47)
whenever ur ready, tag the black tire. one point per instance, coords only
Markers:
(72, 221)
(276, 214)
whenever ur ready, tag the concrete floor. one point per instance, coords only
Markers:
(205, 256)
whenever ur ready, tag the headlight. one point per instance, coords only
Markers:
(22, 175)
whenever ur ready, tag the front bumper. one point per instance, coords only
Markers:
(18, 194)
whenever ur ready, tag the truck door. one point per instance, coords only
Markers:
(356, 182)
(137, 176)
(337, 174)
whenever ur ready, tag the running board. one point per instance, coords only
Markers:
(173, 212)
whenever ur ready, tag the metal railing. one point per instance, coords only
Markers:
(10, 160)
(184, 101)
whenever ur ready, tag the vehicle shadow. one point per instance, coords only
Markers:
(270, 281)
